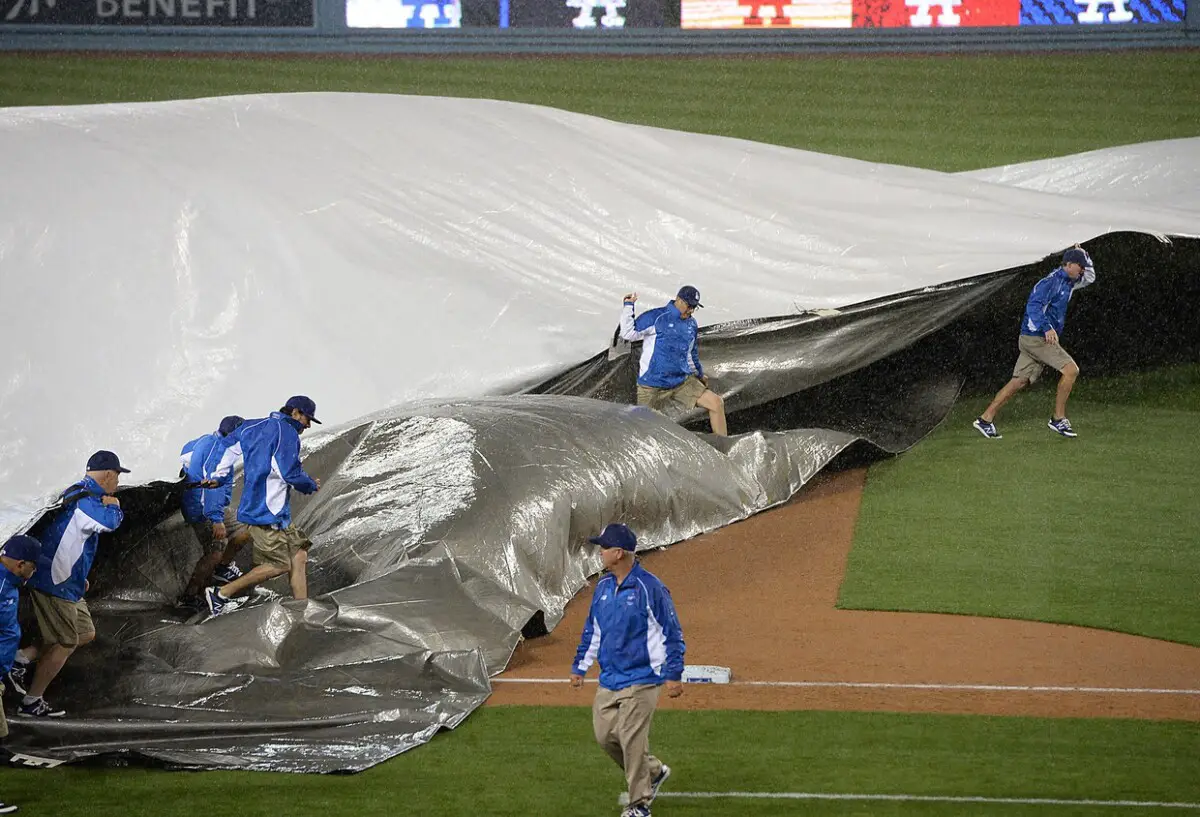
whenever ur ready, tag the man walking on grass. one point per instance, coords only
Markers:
(633, 630)
(1041, 326)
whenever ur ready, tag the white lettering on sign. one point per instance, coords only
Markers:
(31, 8)
(175, 9)
(921, 18)
(1093, 14)
(611, 18)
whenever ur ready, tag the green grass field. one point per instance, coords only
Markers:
(518, 761)
(1103, 562)
(946, 113)
(1101, 530)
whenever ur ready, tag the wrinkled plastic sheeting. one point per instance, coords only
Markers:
(487, 243)
(440, 532)
(761, 361)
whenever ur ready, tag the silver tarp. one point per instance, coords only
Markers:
(440, 532)
(445, 531)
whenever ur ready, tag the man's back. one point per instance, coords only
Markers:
(69, 540)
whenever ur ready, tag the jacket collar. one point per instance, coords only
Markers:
(632, 574)
(1061, 272)
(91, 486)
(279, 415)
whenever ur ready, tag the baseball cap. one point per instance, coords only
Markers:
(616, 536)
(690, 296)
(304, 405)
(1075, 255)
(229, 424)
(22, 548)
(105, 461)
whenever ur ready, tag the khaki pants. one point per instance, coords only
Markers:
(59, 621)
(685, 394)
(621, 720)
(204, 531)
(1036, 353)
(277, 547)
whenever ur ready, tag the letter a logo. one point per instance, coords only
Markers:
(1093, 14)
(921, 18)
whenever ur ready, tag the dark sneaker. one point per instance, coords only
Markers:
(986, 429)
(225, 573)
(41, 709)
(636, 811)
(14, 681)
(218, 604)
(657, 782)
(1062, 426)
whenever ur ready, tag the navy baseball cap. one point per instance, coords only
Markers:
(616, 536)
(22, 548)
(304, 405)
(105, 461)
(1075, 255)
(229, 424)
(690, 296)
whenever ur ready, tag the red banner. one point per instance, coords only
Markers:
(921, 14)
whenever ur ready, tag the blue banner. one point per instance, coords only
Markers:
(1101, 12)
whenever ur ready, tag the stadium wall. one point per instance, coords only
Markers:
(613, 27)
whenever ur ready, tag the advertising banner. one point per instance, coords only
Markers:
(399, 14)
(577, 14)
(765, 13)
(924, 13)
(1101, 12)
(914, 14)
(161, 13)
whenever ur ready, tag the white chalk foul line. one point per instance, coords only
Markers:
(922, 798)
(928, 687)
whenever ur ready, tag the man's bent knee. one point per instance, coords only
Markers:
(1071, 370)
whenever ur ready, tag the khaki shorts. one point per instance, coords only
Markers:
(1036, 353)
(686, 394)
(3, 723)
(277, 547)
(203, 531)
(60, 621)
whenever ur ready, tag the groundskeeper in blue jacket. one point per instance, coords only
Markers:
(202, 459)
(669, 351)
(271, 451)
(633, 630)
(1047, 305)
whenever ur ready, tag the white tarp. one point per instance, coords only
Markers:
(165, 264)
